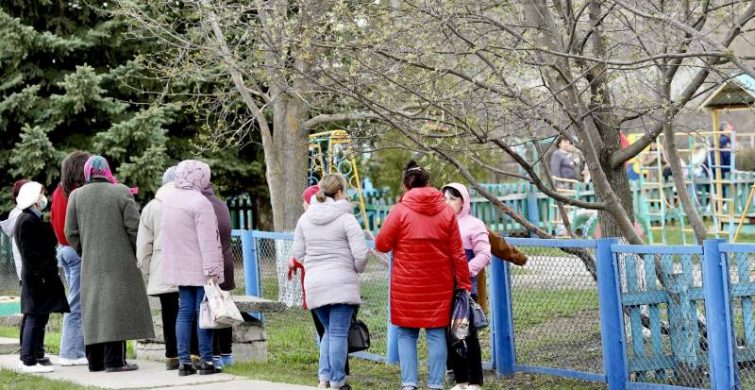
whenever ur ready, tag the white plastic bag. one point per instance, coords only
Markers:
(221, 305)
(206, 319)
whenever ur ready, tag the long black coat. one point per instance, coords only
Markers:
(42, 290)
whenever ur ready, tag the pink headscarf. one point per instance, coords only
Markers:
(98, 167)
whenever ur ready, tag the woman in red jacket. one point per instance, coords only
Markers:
(428, 261)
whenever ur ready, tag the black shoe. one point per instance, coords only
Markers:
(172, 364)
(186, 370)
(345, 387)
(96, 369)
(44, 361)
(124, 368)
(208, 368)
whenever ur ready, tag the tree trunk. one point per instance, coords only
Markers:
(619, 183)
(286, 162)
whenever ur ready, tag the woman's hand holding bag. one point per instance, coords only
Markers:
(218, 309)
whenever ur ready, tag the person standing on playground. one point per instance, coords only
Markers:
(223, 338)
(192, 257)
(149, 258)
(428, 262)
(474, 236)
(42, 291)
(562, 163)
(72, 352)
(101, 225)
(331, 242)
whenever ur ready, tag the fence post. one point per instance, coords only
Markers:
(504, 354)
(251, 267)
(718, 317)
(611, 319)
(533, 212)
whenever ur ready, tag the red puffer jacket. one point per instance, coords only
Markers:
(424, 236)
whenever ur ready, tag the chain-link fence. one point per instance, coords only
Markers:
(556, 318)
(664, 316)
(741, 267)
(272, 258)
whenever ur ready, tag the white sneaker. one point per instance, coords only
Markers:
(35, 369)
(474, 387)
(461, 386)
(73, 362)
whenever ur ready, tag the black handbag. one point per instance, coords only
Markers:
(479, 320)
(359, 336)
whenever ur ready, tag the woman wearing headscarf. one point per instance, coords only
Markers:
(42, 291)
(192, 257)
(149, 257)
(72, 352)
(428, 262)
(223, 338)
(101, 225)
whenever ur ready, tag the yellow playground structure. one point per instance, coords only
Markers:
(332, 152)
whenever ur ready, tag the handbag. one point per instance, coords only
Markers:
(206, 319)
(359, 336)
(479, 320)
(502, 250)
(221, 306)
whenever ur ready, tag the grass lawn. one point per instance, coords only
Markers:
(13, 380)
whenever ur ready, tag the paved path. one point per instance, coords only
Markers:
(151, 375)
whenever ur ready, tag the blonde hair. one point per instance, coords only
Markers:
(330, 185)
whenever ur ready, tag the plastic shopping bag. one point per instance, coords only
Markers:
(206, 319)
(221, 305)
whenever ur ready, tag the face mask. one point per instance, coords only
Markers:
(42, 202)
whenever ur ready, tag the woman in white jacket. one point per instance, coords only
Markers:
(148, 251)
(332, 244)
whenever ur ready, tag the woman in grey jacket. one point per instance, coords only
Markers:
(332, 244)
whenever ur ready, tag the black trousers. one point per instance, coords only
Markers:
(222, 342)
(40, 353)
(468, 369)
(169, 311)
(33, 338)
(106, 355)
(321, 331)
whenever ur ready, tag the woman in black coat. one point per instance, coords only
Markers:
(42, 290)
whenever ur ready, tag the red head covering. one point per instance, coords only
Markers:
(309, 193)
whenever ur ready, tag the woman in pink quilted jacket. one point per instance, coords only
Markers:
(474, 239)
(192, 256)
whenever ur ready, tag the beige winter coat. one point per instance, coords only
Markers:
(148, 245)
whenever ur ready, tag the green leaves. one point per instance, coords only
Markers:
(35, 155)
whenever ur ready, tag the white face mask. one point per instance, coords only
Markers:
(42, 202)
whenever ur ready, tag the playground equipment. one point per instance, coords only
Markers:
(331, 152)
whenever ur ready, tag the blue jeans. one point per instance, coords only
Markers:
(334, 346)
(407, 355)
(189, 299)
(72, 338)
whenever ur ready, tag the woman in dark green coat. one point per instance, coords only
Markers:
(101, 224)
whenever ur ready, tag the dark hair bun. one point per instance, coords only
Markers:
(411, 164)
(415, 176)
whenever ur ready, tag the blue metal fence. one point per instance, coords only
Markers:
(655, 317)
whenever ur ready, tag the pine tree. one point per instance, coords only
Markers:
(71, 78)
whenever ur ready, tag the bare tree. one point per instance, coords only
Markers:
(479, 74)
(263, 52)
